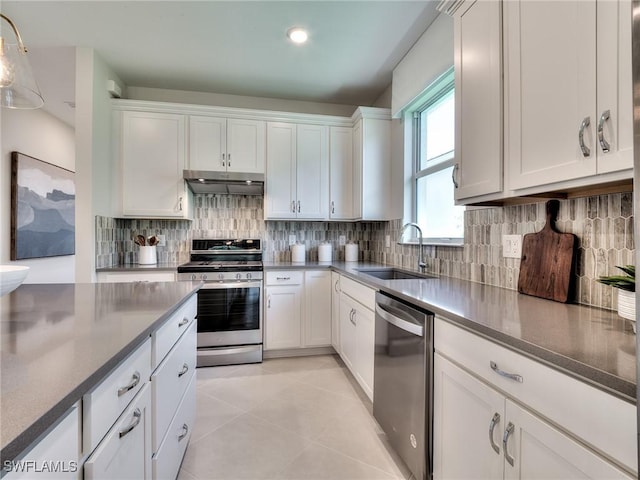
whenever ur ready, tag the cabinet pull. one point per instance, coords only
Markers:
(333, 207)
(180, 204)
(453, 176)
(352, 314)
(185, 369)
(228, 160)
(223, 162)
(603, 143)
(269, 301)
(298, 206)
(293, 206)
(135, 380)
(283, 278)
(335, 287)
(494, 421)
(137, 415)
(505, 439)
(586, 151)
(185, 431)
(502, 373)
(183, 322)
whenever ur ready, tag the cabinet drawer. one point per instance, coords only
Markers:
(169, 382)
(282, 277)
(125, 451)
(166, 462)
(359, 292)
(168, 334)
(103, 405)
(605, 422)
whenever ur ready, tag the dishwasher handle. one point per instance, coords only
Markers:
(401, 323)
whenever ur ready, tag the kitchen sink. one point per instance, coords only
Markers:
(394, 274)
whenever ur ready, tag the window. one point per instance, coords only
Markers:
(433, 159)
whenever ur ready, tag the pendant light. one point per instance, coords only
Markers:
(18, 87)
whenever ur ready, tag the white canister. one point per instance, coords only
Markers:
(324, 252)
(297, 253)
(351, 252)
(147, 255)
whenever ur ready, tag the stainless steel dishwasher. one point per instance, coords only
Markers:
(403, 381)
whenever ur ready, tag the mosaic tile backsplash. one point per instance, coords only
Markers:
(603, 225)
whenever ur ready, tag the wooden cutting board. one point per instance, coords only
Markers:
(548, 259)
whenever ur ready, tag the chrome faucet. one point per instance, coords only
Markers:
(421, 264)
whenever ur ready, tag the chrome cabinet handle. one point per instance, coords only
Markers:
(293, 206)
(183, 322)
(505, 439)
(185, 431)
(453, 175)
(502, 373)
(228, 160)
(603, 143)
(135, 380)
(494, 421)
(283, 278)
(352, 315)
(180, 204)
(586, 151)
(335, 287)
(223, 162)
(269, 301)
(137, 415)
(333, 207)
(298, 206)
(185, 369)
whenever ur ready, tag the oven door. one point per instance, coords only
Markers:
(230, 313)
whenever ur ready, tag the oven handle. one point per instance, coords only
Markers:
(208, 285)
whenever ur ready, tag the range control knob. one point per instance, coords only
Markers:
(194, 276)
(204, 276)
(249, 276)
(221, 276)
(238, 276)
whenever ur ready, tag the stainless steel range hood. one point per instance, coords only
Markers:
(230, 183)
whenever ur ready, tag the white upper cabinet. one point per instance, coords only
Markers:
(152, 158)
(562, 79)
(297, 179)
(341, 205)
(226, 145)
(478, 96)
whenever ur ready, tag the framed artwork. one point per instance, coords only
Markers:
(43, 203)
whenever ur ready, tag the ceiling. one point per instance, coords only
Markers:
(230, 47)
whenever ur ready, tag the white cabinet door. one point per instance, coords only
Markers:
(283, 317)
(348, 335)
(207, 143)
(317, 301)
(478, 92)
(153, 158)
(551, 90)
(341, 173)
(280, 183)
(335, 311)
(615, 90)
(463, 411)
(312, 171)
(536, 450)
(246, 145)
(125, 452)
(365, 345)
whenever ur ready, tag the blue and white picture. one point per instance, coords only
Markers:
(43, 201)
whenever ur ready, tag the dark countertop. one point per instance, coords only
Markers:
(591, 344)
(59, 340)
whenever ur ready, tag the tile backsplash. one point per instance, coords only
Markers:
(603, 225)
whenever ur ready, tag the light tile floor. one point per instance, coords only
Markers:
(286, 418)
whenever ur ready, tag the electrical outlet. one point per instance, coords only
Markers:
(292, 239)
(387, 241)
(342, 240)
(512, 246)
(161, 240)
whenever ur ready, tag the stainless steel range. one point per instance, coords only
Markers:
(230, 302)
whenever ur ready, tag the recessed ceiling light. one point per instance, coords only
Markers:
(297, 35)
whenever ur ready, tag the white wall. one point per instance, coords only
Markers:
(40, 135)
(238, 101)
(94, 158)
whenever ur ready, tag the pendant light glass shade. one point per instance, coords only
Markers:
(18, 87)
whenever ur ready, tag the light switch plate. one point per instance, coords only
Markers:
(162, 241)
(292, 239)
(512, 246)
(387, 241)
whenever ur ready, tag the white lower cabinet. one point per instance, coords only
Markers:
(357, 331)
(499, 414)
(297, 309)
(56, 456)
(125, 452)
(335, 311)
